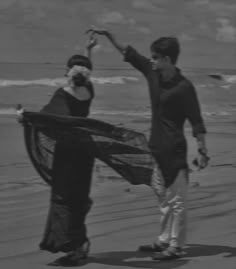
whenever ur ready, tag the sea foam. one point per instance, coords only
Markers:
(54, 82)
(231, 79)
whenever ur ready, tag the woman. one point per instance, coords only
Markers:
(72, 169)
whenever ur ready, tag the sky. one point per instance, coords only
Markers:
(52, 30)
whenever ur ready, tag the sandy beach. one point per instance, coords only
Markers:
(37, 38)
(123, 216)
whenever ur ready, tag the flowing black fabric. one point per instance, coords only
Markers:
(126, 151)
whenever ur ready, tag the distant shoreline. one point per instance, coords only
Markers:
(108, 67)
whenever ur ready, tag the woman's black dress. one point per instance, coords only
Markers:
(72, 174)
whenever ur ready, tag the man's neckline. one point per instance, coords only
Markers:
(173, 81)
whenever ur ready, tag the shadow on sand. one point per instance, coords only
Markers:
(137, 259)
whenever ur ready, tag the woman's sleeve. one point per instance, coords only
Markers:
(137, 60)
(192, 110)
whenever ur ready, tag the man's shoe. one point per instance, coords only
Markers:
(154, 247)
(171, 253)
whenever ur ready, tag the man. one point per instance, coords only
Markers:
(173, 100)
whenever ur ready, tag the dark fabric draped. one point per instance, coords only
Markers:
(126, 151)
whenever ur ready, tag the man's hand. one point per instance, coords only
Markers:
(94, 30)
(119, 46)
(202, 160)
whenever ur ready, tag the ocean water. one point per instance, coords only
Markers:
(121, 93)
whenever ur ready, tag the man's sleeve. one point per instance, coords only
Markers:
(137, 60)
(192, 110)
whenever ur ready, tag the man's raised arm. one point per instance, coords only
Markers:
(137, 60)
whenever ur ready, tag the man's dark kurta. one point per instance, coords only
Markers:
(172, 103)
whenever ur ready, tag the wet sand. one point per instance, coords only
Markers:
(123, 216)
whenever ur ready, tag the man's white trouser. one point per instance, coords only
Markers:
(172, 202)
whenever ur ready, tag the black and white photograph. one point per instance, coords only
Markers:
(118, 134)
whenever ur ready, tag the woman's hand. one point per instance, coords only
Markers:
(110, 36)
(92, 42)
(19, 113)
(94, 30)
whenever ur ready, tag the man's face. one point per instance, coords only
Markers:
(159, 62)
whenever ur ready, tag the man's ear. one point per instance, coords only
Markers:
(168, 60)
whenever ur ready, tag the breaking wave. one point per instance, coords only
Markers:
(128, 113)
(231, 79)
(62, 81)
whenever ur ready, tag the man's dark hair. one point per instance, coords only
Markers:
(167, 46)
(79, 60)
